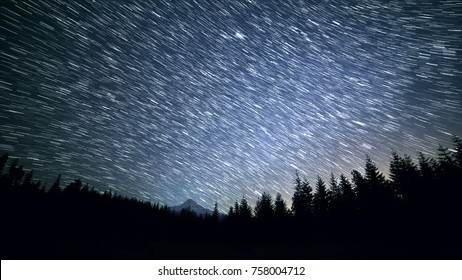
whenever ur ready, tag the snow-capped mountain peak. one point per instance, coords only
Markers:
(193, 206)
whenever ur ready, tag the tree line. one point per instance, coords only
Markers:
(425, 187)
(411, 214)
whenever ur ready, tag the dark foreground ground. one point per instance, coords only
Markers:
(40, 233)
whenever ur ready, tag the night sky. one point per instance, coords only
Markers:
(211, 100)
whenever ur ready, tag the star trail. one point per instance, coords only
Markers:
(212, 100)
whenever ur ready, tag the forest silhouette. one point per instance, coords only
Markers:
(413, 214)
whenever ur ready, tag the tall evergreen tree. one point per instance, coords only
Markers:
(215, 213)
(360, 188)
(427, 171)
(404, 176)
(446, 163)
(348, 196)
(264, 208)
(237, 212)
(280, 207)
(334, 194)
(346, 188)
(245, 212)
(427, 168)
(28, 183)
(231, 214)
(372, 175)
(302, 199)
(448, 176)
(335, 191)
(55, 188)
(320, 198)
(379, 196)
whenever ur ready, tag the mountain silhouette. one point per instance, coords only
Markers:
(191, 205)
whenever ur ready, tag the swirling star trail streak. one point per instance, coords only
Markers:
(211, 100)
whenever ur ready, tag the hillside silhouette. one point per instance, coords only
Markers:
(414, 214)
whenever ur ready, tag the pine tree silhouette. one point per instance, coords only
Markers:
(280, 207)
(334, 195)
(348, 196)
(28, 182)
(264, 208)
(231, 212)
(320, 199)
(245, 212)
(237, 211)
(427, 171)
(404, 176)
(380, 194)
(302, 199)
(55, 188)
(215, 213)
